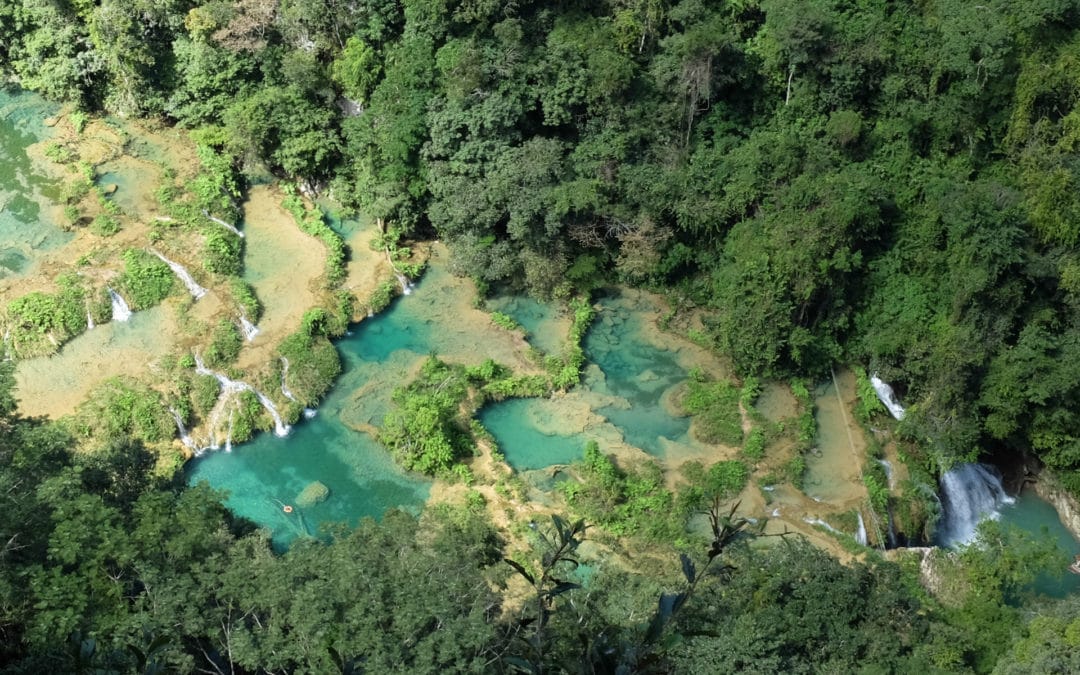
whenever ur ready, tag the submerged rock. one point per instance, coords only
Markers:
(314, 493)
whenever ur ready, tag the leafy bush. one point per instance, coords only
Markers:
(146, 281)
(505, 321)
(715, 406)
(634, 503)
(424, 430)
(122, 407)
(225, 344)
(754, 447)
(243, 295)
(313, 364)
(869, 404)
(105, 225)
(223, 252)
(204, 393)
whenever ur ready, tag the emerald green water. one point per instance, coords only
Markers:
(335, 447)
(537, 318)
(636, 370)
(1034, 515)
(626, 385)
(332, 447)
(25, 226)
(529, 434)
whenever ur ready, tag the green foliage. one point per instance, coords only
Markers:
(38, 323)
(715, 406)
(223, 252)
(105, 226)
(225, 344)
(146, 281)
(505, 321)
(204, 393)
(120, 408)
(869, 404)
(314, 364)
(623, 502)
(243, 294)
(754, 447)
(313, 222)
(424, 430)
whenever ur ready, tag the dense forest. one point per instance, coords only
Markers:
(890, 184)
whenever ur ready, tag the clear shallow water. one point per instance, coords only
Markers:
(637, 370)
(332, 448)
(1034, 515)
(528, 434)
(631, 377)
(540, 320)
(335, 448)
(25, 224)
(832, 472)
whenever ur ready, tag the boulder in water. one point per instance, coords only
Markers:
(314, 493)
(110, 188)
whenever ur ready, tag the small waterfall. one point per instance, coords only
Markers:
(89, 320)
(285, 373)
(860, 534)
(406, 287)
(227, 226)
(969, 493)
(230, 387)
(887, 465)
(310, 412)
(822, 523)
(184, 437)
(249, 329)
(887, 397)
(194, 288)
(120, 309)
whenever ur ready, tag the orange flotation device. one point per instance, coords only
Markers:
(286, 508)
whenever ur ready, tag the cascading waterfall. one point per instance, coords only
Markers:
(887, 465)
(193, 287)
(120, 309)
(969, 494)
(406, 287)
(231, 387)
(249, 329)
(887, 397)
(860, 534)
(822, 523)
(227, 226)
(89, 320)
(184, 437)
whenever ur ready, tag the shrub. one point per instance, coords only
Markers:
(223, 252)
(146, 281)
(715, 406)
(225, 344)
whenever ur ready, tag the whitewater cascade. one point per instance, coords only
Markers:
(887, 397)
(969, 494)
(120, 309)
(89, 321)
(249, 329)
(184, 437)
(227, 226)
(194, 288)
(231, 387)
(860, 534)
(888, 471)
(406, 287)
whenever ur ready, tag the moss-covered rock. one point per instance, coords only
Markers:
(314, 493)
